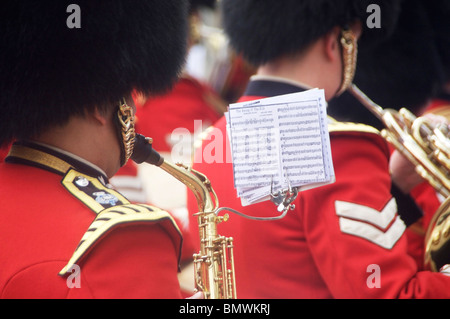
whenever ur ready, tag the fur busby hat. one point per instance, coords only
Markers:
(408, 69)
(262, 30)
(405, 70)
(197, 4)
(439, 13)
(52, 68)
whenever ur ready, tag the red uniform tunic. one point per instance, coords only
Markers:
(440, 106)
(343, 240)
(57, 211)
(3, 152)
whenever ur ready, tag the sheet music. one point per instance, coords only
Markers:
(277, 142)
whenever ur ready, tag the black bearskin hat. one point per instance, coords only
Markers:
(439, 12)
(263, 30)
(50, 71)
(407, 69)
(197, 4)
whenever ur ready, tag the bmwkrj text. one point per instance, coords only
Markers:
(239, 308)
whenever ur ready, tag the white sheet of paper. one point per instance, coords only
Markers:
(279, 142)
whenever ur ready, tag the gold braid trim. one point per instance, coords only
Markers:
(111, 218)
(39, 157)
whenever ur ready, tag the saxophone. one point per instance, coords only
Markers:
(427, 146)
(214, 264)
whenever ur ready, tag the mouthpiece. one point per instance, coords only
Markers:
(144, 152)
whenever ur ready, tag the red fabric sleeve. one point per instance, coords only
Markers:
(114, 268)
(348, 261)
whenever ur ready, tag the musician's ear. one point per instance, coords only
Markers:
(332, 46)
(100, 116)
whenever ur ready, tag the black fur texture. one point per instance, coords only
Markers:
(198, 4)
(439, 13)
(48, 72)
(410, 67)
(263, 30)
(407, 69)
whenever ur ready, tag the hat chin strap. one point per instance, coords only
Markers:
(349, 56)
(126, 131)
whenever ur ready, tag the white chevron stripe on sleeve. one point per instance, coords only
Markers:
(361, 229)
(360, 221)
(359, 212)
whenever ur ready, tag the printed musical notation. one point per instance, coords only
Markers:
(279, 142)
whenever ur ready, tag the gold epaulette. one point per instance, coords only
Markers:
(337, 126)
(110, 218)
(112, 210)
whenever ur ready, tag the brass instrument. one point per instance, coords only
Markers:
(214, 264)
(427, 146)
